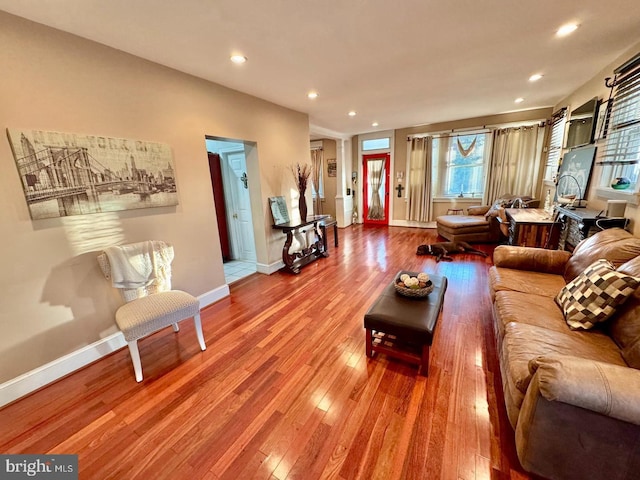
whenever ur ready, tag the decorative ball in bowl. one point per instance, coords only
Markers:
(414, 286)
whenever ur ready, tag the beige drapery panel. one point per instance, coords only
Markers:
(316, 169)
(375, 168)
(419, 204)
(516, 162)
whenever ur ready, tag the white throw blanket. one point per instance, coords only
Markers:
(134, 265)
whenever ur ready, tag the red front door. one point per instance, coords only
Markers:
(375, 169)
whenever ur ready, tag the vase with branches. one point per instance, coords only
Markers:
(301, 174)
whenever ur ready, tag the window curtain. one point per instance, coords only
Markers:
(516, 162)
(419, 204)
(376, 174)
(316, 170)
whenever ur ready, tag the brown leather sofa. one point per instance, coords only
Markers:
(573, 397)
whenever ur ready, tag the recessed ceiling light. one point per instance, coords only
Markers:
(519, 100)
(535, 77)
(567, 29)
(312, 95)
(352, 113)
(238, 59)
(374, 124)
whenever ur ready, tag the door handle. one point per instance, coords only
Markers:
(235, 215)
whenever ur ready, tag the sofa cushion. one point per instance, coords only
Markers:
(463, 223)
(537, 310)
(538, 283)
(624, 327)
(523, 343)
(477, 209)
(615, 244)
(594, 295)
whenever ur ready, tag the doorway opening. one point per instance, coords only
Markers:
(232, 197)
(375, 170)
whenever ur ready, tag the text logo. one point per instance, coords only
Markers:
(45, 467)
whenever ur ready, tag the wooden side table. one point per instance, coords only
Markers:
(293, 261)
(324, 224)
(532, 227)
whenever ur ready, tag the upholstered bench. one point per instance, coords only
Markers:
(402, 327)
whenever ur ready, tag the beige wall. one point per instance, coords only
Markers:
(54, 299)
(595, 87)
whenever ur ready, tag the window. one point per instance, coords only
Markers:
(621, 152)
(554, 148)
(376, 144)
(459, 165)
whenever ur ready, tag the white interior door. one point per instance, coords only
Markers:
(234, 168)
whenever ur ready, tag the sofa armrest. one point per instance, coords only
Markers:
(563, 441)
(610, 390)
(478, 209)
(528, 258)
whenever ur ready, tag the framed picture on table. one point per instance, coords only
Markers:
(279, 210)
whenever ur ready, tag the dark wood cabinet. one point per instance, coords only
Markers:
(581, 223)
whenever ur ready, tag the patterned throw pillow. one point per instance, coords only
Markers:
(594, 295)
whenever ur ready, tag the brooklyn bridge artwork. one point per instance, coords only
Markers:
(66, 174)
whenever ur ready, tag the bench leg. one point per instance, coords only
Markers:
(369, 343)
(424, 366)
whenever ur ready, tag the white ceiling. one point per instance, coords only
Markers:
(398, 62)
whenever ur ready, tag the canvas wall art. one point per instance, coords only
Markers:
(66, 174)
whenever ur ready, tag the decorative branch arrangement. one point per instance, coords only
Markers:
(301, 174)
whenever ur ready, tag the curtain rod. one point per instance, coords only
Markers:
(478, 129)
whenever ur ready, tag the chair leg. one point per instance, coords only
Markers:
(198, 324)
(176, 327)
(135, 358)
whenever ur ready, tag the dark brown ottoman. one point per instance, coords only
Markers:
(402, 327)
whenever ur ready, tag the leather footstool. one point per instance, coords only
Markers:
(402, 327)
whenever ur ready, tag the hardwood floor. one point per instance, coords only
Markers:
(284, 389)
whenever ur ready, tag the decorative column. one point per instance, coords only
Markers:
(344, 202)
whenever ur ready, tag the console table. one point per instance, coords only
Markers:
(293, 261)
(581, 223)
(532, 227)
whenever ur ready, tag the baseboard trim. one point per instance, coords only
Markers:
(411, 223)
(37, 378)
(268, 269)
(213, 296)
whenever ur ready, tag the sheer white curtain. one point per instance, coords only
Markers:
(376, 174)
(516, 162)
(316, 171)
(419, 204)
